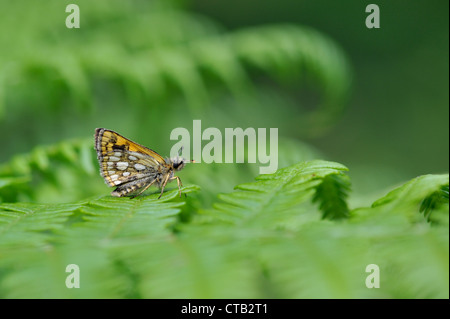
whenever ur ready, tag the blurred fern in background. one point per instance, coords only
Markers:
(143, 68)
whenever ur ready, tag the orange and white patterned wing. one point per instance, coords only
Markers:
(122, 160)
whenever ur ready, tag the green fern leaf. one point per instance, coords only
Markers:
(180, 61)
(38, 241)
(422, 194)
(277, 198)
(332, 194)
(62, 169)
(31, 224)
(436, 201)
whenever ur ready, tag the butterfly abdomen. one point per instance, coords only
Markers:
(130, 187)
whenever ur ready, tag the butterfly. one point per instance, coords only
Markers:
(133, 167)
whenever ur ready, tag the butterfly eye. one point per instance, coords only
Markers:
(178, 163)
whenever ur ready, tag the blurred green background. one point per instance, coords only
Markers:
(395, 125)
(373, 99)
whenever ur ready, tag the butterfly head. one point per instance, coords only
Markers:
(179, 162)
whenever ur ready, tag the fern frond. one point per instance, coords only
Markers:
(25, 224)
(105, 217)
(114, 219)
(276, 198)
(38, 241)
(307, 53)
(332, 194)
(178, 55)
(272, 244)
(436, 201)
(422, 194)
(64, 168)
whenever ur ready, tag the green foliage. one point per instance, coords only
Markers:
(332, 194)
(131, 63)
(435, 202)
(40, 239)
(193, 53)
(284, 192)
(143, 68)
(267, 239)
(426, 194)
(44, 172)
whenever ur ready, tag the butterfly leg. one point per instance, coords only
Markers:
(145, 188)
(163, 184)
(179, 184)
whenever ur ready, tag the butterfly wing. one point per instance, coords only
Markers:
(123, 161)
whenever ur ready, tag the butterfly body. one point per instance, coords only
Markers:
(131, 166)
